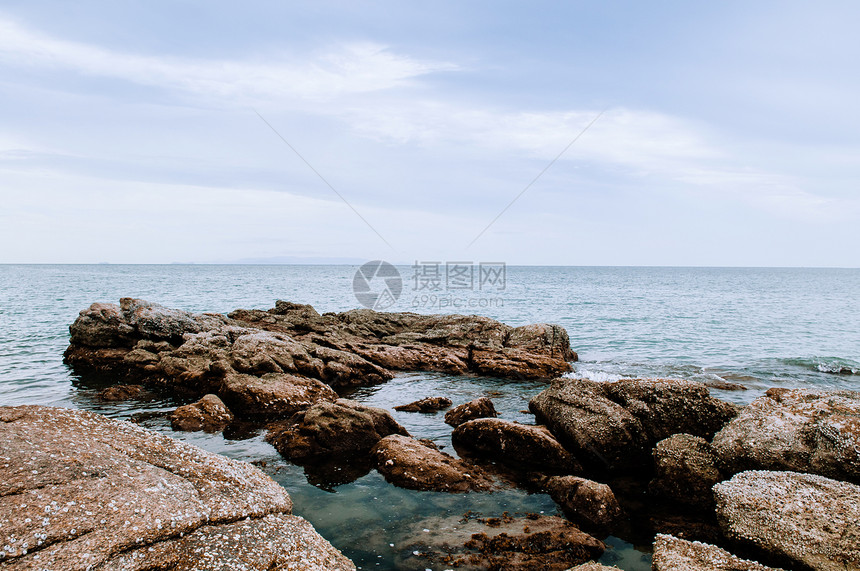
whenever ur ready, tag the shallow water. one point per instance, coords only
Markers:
(756, 327)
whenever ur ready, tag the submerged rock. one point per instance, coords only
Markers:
(673, 554)
(80, 491)
(685, 469)
(209, 414)
(803, 518)
(411, 464)
(342, 429)
(122, 392)
(522, 447)
(429, 404)
(798, 430)
(612, 426)
(479, 408)
(531, 543)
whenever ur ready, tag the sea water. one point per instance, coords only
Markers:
(755, 327)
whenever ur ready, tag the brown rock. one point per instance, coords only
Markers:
(80, 491)
(408, 463)
(685, 470)
(122, 392)
(523, 447)
(209, 414)
(479, 408)
(343, 428)
(804, 518)
(592, 566)
(612, 426)
(673, 554)
(531, 543)
(798, 430)
(429, 404)
(273, 394)
(589, 504)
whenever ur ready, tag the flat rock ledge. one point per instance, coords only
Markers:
(804, 519)
(274, 363)
(673, 554)
(81, 491)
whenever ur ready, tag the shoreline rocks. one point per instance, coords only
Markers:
(674, 554)
(79, 491)
(685, 471)
(479, 408)
(209, 414)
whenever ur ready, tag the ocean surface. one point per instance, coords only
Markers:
(758, 328)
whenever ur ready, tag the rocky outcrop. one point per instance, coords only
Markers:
(798, 430)
(685, 469)
(481, 407)
(673, 554)
(209, 414)
(144, 343)
(340, 429)
(531, 543)
(80, 491)
(802, 518)
(429, 404)
(411, 464)
(612, 426)
(519, 446)
(589, 504)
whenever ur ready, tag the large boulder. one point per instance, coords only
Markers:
(612, 426)
(799, 430)
(209, 414)
(411, 464)
(80, 491)
(805, 519)
(589, 504)
(481, 407)
(685, 470)
(332, 429)
(673, 554)
(273, 394)
(520, 446)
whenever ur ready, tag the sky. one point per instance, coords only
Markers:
(548, 133)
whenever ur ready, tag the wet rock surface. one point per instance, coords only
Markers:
(339, 430)
(429, 404)
(209, 414)
(80, 491)
(797, 430)
(479, 408)
(685, 471)
(523, 447)
(805, 519)
(612, 426)
(415, 465)
(507, 543)
(592, 566)
(674, 554)
(587, 503)
(123, 392)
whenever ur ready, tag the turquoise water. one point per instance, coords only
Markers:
(755, 327)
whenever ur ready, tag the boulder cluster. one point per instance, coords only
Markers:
(775, 484)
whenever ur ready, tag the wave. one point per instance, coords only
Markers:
(830, 365)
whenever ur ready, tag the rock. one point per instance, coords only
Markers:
(804, 518)
(343, 428)
(410, 464)
(612, 426)
(673, 554)
(122, 392)
(209, 414)
(592, 566)
(685, 469)
(531, 543)
(479, 408)
(724, 385)
(542, 338)
(80, 491)
(273, 394)
(589, 504)
(798, 430)
(523, 447)
(429, 404)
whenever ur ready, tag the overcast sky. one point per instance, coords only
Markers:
(729, 134)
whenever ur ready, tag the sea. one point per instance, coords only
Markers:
(753, 327)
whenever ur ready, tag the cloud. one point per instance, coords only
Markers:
(347, 68)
